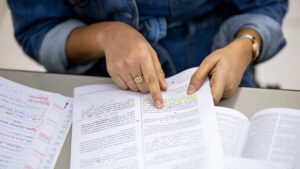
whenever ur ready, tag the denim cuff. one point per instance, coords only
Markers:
(269, 30)
(53, 49)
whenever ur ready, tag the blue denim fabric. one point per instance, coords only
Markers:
(183, 32)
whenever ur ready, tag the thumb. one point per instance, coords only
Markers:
(201, 73)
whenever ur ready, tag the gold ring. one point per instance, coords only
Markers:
(138, 79)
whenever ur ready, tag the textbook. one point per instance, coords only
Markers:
(269, 140)
(33, 126)
(117, 129)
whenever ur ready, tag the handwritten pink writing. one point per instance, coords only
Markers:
(39, 100)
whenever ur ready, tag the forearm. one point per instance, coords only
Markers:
(81, 46)
(86, 43)
(265, 18)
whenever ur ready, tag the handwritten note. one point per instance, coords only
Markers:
(33, 125)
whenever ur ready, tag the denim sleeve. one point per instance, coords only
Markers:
(41, 28)
(263, 16)
(52, 53)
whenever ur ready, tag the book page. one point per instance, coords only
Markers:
(274, 136)
(184, 133)
(113, 128)
(105, 131)
(246, 163)
(33, 126)
(233, 127)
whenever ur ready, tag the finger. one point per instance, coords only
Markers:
(201, 73)
(141, 86)
(159, 71)
(217, 86)
(120, 82)
(129, 81)
(152, 82)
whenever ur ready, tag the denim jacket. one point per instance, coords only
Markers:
(183, 32)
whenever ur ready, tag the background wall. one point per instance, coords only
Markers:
(11, 55)
(282, 71)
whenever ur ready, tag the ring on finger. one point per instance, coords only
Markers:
(138, 79)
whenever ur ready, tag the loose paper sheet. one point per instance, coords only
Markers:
(33, 126)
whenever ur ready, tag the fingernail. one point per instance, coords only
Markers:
(158, 104)
(191, 89)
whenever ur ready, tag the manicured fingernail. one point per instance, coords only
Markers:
(158, 104)
(191, 89)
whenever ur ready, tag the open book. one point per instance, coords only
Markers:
(117, 129)
(271, 137)
(33, 126)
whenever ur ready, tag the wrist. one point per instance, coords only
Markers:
(81, 47)
(254, 38)
(243, 50)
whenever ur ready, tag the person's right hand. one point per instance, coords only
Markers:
(129, 55)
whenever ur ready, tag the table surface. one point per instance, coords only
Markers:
(246, 100)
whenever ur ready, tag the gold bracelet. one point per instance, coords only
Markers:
(255, 45)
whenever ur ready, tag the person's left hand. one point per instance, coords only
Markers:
(226, 67)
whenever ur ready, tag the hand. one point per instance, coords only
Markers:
(226, 67)
(129, 55)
